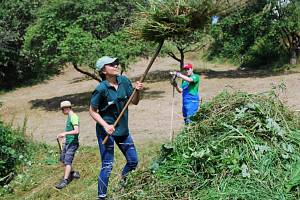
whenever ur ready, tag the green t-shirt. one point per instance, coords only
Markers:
(72, 120)
(193, 86)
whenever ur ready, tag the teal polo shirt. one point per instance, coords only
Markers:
(110, 103)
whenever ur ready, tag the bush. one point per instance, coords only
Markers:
(13, 151)
(15, 17)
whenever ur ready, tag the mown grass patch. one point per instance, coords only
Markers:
(36, 180)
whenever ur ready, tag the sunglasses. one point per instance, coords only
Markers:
(114, 64)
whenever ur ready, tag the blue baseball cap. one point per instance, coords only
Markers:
(101, 62)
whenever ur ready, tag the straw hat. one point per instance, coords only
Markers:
(65, 104)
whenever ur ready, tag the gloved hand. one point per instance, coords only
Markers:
(175, 73)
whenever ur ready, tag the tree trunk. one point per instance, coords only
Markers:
(295, 48)
(181, 58)
(93, 76)
(293, 57)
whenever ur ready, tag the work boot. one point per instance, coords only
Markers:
(75, 174)
(63, 183)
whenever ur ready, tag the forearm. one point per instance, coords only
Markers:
(93, 113)
(186, 78)
(73, 132)
(178, 89)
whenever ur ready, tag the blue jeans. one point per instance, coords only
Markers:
(126, 145)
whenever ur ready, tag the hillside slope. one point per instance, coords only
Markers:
(38, 105)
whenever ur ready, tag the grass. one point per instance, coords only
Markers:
(240, 146)
(37, 179)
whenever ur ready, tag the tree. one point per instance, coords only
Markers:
(180, 22)
(79, 48)
(260, 34)
(184, 23)
(15, 17)
(191, 43)
(287, 16)
(78, 32)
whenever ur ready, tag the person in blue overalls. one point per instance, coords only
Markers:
(107, 102)
(189, 90)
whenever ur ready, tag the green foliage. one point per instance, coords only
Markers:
(78, 46)
(44, 36)
(256, 34)
(13, 151)
(79, 32)
(121, 44)
(15, 17)
(240, 146)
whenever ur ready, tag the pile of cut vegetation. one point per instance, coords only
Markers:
(240, 146)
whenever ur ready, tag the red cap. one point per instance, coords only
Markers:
(188, 66)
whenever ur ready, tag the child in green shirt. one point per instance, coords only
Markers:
(71, 144)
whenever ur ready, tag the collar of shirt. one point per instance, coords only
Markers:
(119, 81)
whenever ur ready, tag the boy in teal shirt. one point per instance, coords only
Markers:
(189, 90)
(71, 144)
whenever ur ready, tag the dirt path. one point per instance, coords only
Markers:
(38, 106)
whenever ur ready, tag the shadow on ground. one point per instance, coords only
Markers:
(151, 94)
(81, 101)
(155, 76)
(163, 75)
(238, 73)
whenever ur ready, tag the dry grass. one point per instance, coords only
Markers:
(37, 181)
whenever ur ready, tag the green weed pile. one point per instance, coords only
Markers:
(240, 146)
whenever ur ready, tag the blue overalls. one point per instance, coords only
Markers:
(190, 103)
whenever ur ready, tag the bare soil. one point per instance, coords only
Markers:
(38, 106)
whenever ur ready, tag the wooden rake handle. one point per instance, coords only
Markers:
(59, 145)
(135, 90)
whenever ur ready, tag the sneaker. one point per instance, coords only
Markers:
(63, 183)
(100, 198)
(75, 174)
